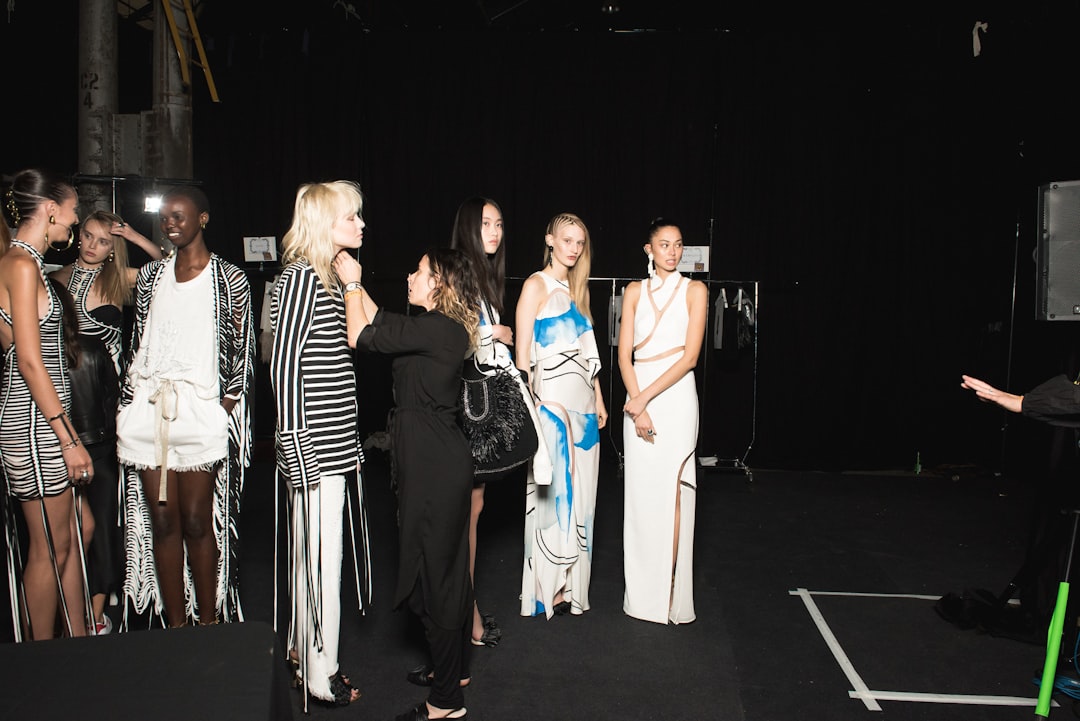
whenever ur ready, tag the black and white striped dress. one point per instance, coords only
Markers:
(33, 460)
(104, 322)
(313, 378)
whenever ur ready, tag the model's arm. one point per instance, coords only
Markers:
(532, 294)
(360, 308)
(242, 339)
(24, 284)
(292, 310)
(134, 237)
(626, 338)
(641, 419)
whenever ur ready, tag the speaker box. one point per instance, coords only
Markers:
(232, 671)
(1057, 253)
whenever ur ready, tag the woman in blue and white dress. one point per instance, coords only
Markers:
(556, 346)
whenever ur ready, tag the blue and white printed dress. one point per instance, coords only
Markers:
(559, 517)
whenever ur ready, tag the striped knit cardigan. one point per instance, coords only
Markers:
(236, 373)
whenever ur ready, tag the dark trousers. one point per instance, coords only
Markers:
(450, 651)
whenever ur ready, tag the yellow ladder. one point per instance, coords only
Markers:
(185, 74)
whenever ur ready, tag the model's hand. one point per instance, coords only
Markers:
(635, 407)
(228, 404)
(601, 414)
(644, 428)
(504, 334)
(347, 267)
(990, 394)
(79, 466)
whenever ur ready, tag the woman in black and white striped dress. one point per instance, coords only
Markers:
(101, 283)
(318, 446)
(42, 455)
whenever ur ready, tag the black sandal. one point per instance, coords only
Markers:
(492, 633)
(424, 675)
(341, 690)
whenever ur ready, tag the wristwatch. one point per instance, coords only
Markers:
(353, 285)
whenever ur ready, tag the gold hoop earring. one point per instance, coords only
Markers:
(70, 240)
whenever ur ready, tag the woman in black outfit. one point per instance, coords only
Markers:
(432, 463)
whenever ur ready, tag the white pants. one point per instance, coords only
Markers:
(316, 580)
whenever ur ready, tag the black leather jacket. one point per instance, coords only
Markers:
(95, 393)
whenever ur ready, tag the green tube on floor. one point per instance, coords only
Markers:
(1053, 646)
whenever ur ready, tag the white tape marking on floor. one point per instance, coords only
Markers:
(949, 698)
(861, 690)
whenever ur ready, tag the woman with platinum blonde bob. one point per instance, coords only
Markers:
(318, 445)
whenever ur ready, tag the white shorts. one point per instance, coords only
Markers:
(196, 430)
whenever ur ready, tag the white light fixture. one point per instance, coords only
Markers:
(151, 203)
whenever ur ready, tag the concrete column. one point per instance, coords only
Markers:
(98, 97)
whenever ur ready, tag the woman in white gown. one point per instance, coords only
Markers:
(663, 326)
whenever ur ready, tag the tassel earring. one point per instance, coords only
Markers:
(652, 267)
(550, 256)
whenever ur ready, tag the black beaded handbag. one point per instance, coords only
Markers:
(496, 420)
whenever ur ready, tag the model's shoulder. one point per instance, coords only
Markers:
(697, 286)
(62, 275)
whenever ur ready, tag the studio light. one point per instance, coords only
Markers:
(151, 203)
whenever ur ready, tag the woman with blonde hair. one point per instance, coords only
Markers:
(432, 463)
(318, 446)
(100, 282)
(556, 346)
(100, 279)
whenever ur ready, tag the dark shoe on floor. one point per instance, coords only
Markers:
(420, 713)
(344, 694)
(561, 608)
(424, 675)
(421, 675)
(492, 633)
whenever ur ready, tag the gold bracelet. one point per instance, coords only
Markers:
(353, 292)
(68, 446)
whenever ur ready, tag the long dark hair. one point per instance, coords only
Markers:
(490, 270)
(29, 189)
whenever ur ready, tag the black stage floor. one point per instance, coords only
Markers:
(814, 592)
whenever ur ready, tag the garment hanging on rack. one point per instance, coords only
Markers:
(733, 320)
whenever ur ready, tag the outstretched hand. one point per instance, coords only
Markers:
(990, 394)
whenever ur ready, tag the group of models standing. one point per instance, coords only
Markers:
(182, 427)
(178, 422)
